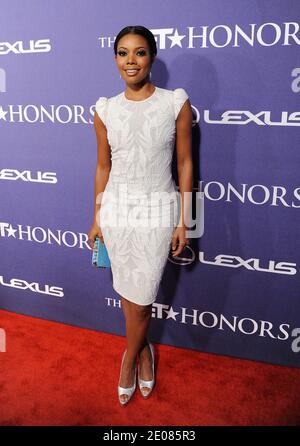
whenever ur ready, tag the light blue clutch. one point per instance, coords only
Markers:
(100, 255)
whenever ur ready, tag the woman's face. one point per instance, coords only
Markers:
(133, 58)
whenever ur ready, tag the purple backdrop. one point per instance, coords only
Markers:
(236, 290)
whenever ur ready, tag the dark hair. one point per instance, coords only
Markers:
(142, 31)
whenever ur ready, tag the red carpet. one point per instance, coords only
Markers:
(56, 374)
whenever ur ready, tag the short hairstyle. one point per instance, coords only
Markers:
(142, 31)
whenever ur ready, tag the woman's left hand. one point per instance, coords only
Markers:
(179, 240)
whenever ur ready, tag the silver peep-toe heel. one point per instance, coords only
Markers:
(126, 390)
(150, 383)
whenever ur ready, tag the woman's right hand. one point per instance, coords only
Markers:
(94, 231)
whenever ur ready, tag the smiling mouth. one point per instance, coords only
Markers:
(132, 71)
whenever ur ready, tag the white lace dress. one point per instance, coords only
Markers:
(140, 205)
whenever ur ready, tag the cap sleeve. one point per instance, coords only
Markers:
(101, 106)
(180, 96)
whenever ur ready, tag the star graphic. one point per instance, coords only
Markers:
(171, 313)
(2, 113)
(11, 231)
(176, 39)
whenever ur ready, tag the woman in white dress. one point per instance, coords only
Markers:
(135, 131)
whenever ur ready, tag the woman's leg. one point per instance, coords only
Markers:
(137, 322)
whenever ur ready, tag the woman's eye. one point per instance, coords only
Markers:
(121, 52)
(142, 52)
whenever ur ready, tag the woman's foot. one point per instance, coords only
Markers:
(127, 376)
(145, 368)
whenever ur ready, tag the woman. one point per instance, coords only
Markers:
(135, 132)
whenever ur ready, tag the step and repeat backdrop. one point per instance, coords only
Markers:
(235, 290)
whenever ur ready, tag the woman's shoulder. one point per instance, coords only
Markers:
(180, 93)
(102, 103)
(103, 100)
(175, 94)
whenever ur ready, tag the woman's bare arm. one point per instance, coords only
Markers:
(103, 163)
(184, 159)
